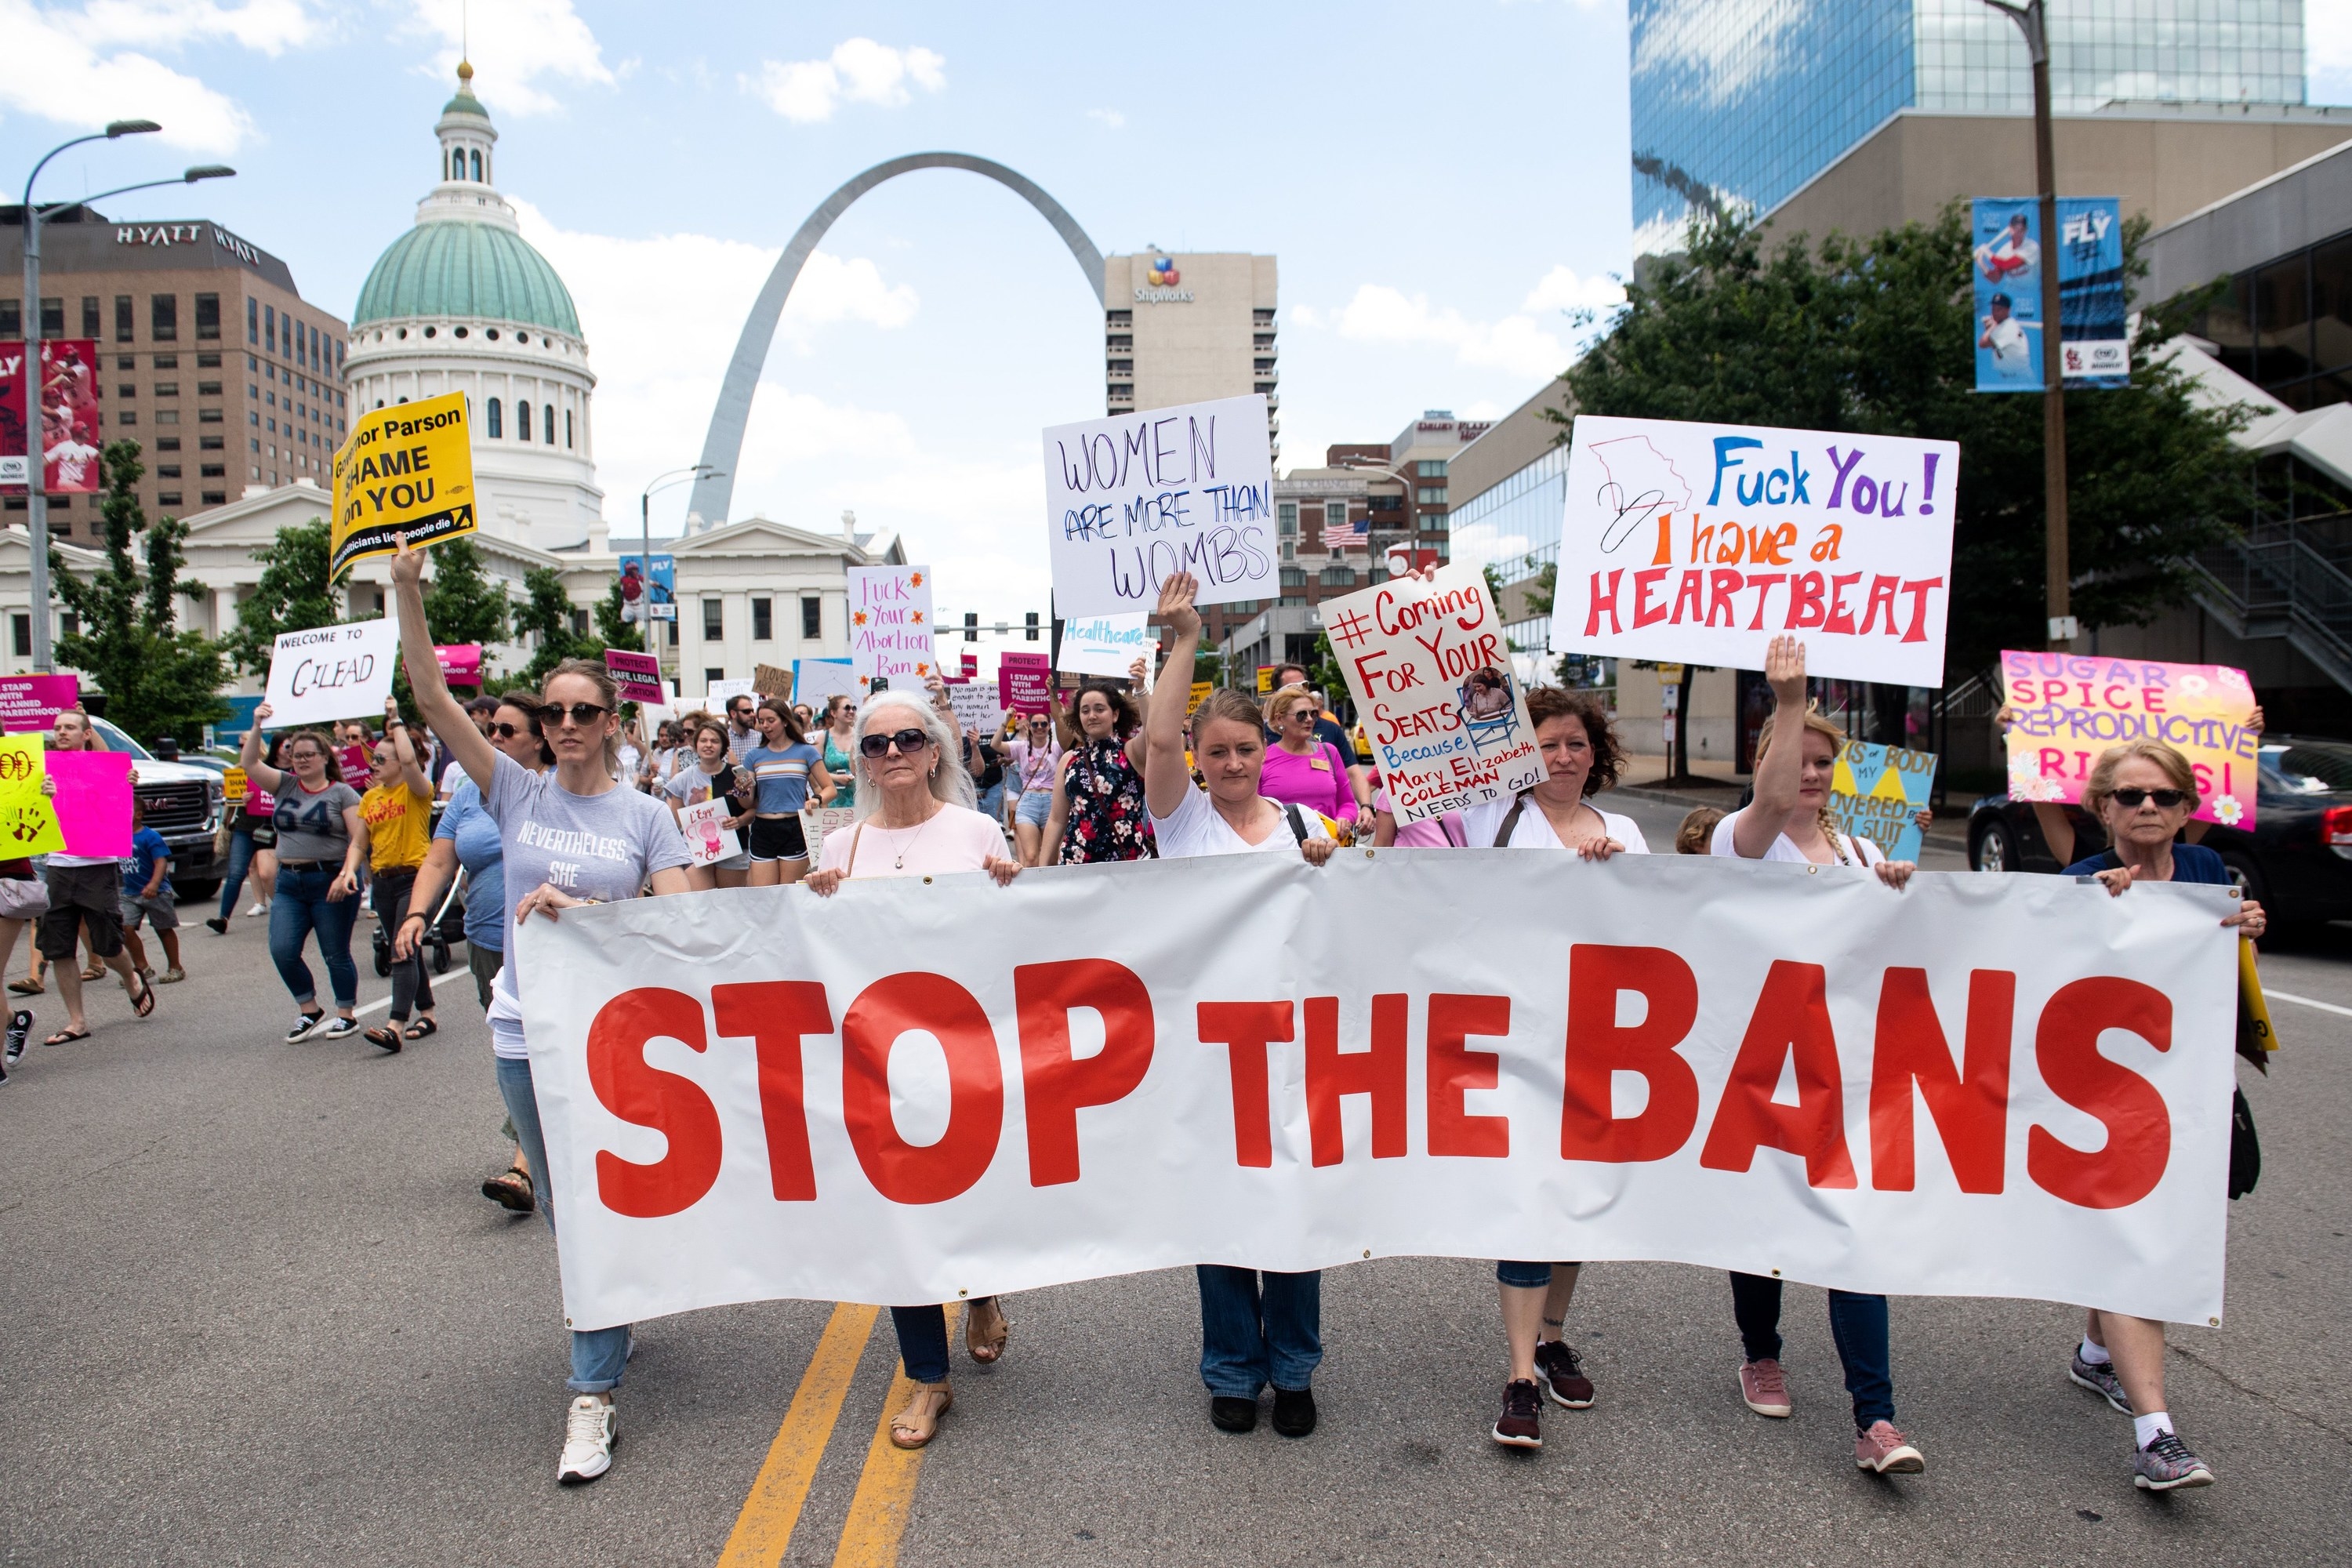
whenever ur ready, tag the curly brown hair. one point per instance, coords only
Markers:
(1546, 703)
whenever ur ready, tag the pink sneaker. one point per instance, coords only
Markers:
(1882, 1449)
(1765, 1387)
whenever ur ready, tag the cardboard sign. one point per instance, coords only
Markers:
(1024, 682)
(333, 672)
(30, 702)
(28, 821)
(1429, 669)
(93, 801)
(638, 675)
(890, 623)
(977, 707)
(819, 679)
(1136, 496)
(1704, 542)
(1875, 790)
(708, 840)
(461, 663)
(770, 680)
(407, 470)
(1106, 645)
(2067, 708)
(820, 823)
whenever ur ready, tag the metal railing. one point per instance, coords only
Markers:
(2290, 580)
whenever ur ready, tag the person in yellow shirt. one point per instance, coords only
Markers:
(395, 831)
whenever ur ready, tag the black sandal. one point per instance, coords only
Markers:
(145, 1002)
(422, 1027)
(513, 1188)
(383, 1036)
(67, 1037)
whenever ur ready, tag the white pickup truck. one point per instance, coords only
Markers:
(182, 802)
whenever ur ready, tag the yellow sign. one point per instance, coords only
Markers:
(233, 783)
(407, 470)
(1200, 694)
(1670, 672)
(1265, 679)
(28, 824)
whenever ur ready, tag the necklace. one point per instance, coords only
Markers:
(899, 864)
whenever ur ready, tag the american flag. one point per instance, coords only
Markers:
(1342, 535)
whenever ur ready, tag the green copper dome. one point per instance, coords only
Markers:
(466, 270)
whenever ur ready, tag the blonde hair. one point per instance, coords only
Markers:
(1278, 706)
(1232, 707)
(2102, 783)
(1696, 833)
(1817, 725)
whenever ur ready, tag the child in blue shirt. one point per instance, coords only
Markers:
(147, 895)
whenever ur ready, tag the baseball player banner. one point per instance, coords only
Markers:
(1699, 542)
(2007, 263)
(1431, 672)
(407, 470)
(16, 451)
(928, 1088)
(65, 416)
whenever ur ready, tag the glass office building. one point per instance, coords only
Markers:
(1742, 101)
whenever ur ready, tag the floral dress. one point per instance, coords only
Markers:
(1108, 819)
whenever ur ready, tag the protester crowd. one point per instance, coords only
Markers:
(336, 824)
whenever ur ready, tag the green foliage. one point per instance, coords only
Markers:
(1873, 337)
(615, 631)
(546, 613)
(292, 596)
(158, 680)
(462, 603)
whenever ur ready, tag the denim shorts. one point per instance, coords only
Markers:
(1527, 1276)
(1036, 807)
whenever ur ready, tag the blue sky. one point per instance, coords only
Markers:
(1440, 183)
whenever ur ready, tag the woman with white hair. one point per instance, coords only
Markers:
(915, 819)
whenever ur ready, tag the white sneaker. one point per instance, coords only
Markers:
(257, 909)
(590, 1430)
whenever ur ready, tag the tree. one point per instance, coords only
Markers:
(462, 604)
(292, 596)
(616, 632)
(546, 613)
(158, 680)
(1873, 337)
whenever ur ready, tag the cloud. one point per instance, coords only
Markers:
(1516, 344)
(1562, 290)
(513, 45)
(63, 66)
(2327, 50)
(1110, 118)
(1713, 50)
(857, 71)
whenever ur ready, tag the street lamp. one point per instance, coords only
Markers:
(37, 503)
(1361, 466)
(2032, 21)
(646, 530)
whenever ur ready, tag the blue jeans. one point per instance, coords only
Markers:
(240, 856)
(923, 1339)
(599, 1356)
(1858, 1325)
(299, 907)
(991, 802)
(1254, 1334)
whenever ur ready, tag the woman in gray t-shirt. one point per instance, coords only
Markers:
(317, 816)
(574, 835)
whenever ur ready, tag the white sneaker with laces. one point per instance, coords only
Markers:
(590, 1430)
(257, 909)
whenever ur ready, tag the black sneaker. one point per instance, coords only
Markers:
(1561, 1373)
(303, 1023)
(20, 1027)
(216, 925)
(1294, 1411)
(1227, 1414)
(337, 1029)
(1520, 1426)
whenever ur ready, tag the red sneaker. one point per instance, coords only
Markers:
(1765, 1387)
(1561, 1373)
(1520, 1426)
(1882, 1449)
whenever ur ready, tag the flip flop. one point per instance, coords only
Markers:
(67, 1037)
(27, 988)
(145, 1002)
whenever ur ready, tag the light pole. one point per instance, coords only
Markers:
(37, 504)
(645, 534)
(2032, 21)
(1364, 467)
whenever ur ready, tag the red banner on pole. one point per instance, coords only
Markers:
(67, 398)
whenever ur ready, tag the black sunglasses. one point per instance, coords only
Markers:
(2165, 798)
(909, 743)
(506, 732)
(583, 713)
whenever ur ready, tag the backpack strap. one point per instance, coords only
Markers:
(1510, 821)
(1297, 825)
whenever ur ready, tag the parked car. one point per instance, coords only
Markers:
(181, 801)
(2298, 857)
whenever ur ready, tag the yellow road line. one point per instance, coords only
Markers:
(764, 1529)
(885, 1492)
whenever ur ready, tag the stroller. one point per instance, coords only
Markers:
(443, 932)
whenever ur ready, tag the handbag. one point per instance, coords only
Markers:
(24, 899)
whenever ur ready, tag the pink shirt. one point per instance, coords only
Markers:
(956, 838)
(1317, 781)
(1427, 834)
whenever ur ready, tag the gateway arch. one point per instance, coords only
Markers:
(723, 444)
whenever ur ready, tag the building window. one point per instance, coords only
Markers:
(811, 617)
(714, 619)
(1287, 516)
(252, 318)
(90, 327)
(21, 632)
(492, 417)
(204, 443)
(579, 622)
(53, 317)
(1338, 577)
(710, 675)
(547, 422)
(476, 158)
(12, 318)
(167, 498)
(763, 620)
(207, 316)
(1292, 577)
(522, 420)
(1431, 468)
(567, 429)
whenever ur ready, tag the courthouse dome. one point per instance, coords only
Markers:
(458, 269)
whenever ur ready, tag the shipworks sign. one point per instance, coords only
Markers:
(1163, 277)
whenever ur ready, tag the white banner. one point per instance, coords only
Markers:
(1106, 645)
(1700, 543)
(929, 1087)
(890, 623)
(1431, 672)
(1133, 498)
(334, 672)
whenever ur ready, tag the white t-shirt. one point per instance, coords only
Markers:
(1195, 827)
(955, 838)
(1862, 851)
(1533, 830)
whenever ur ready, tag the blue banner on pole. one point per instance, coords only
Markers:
(2006, 265)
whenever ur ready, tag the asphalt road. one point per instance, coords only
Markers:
(253, 1311)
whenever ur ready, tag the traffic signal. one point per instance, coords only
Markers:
(1031, 633)
(972, 625)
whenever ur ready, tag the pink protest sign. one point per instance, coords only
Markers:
(638, 675)
(1024, 681)
(2065, 709)
(461, 663)
(93, 800)
(34, 701)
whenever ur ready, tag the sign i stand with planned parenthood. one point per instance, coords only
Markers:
(1702, 542)
(407, 470)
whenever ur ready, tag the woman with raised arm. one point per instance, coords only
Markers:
(320, 848)
(1255, 1327)
(1098, 812)
(1788, 820)
(2142, 793)
(915, 819)
(613, 842)
(395, 832)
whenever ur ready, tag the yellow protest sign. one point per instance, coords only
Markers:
(1200, 694)
(407, 470)
(28, 824)
(232, 785)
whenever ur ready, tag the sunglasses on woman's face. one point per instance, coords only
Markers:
(909, 743)
(581, 714)
(506, 732)
(2165, 799)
